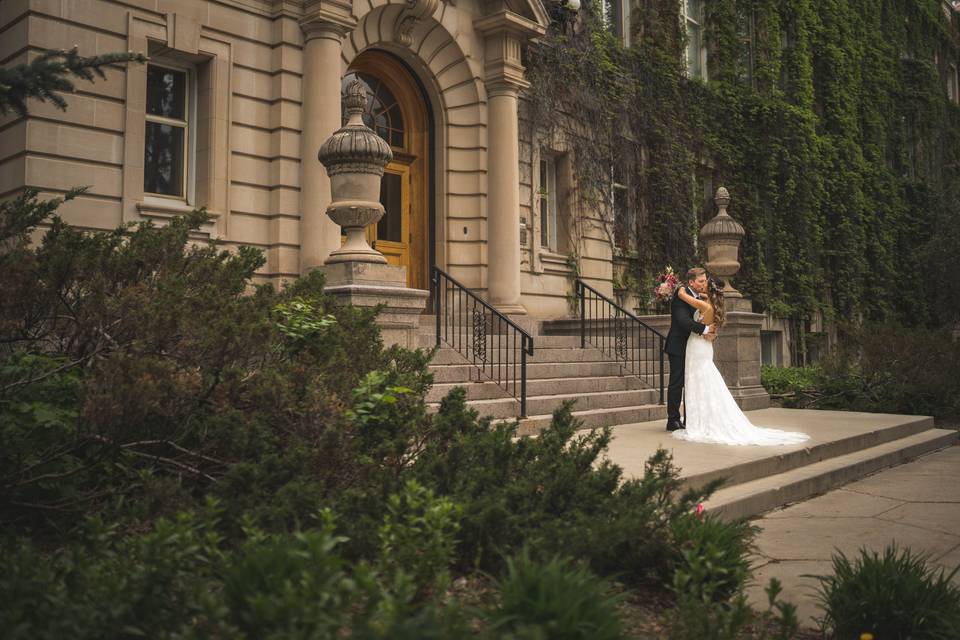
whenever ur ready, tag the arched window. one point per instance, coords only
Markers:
(382, 114)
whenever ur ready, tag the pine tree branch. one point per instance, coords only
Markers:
(45, 77)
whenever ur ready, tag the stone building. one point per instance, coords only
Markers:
(239, 95)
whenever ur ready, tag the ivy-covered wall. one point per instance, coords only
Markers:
(828, 121)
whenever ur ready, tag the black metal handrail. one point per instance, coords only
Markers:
(620, 335)
(491, 341)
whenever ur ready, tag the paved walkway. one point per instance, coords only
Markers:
(916, 505)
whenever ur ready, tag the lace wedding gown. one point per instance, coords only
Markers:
(712, 414)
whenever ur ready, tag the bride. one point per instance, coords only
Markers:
(712, 414)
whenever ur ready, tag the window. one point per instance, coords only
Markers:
(616, 15)
(620, 205)
(547, 201)
(382, 113)
(771, 352)
(953, 91)
(696, 54)
(167, 139)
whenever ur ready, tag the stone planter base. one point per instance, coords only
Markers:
(365, 284)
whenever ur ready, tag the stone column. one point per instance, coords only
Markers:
(503, 199)
(320, 117)
(505, 32)
(737, 349)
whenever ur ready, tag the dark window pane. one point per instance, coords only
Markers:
(544, 222)
(166, 92)
(163, 160)
(389, 226)
(382, 113)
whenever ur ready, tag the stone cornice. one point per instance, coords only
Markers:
(509, 22)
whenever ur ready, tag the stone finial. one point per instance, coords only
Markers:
(721, 236)
(355, 157)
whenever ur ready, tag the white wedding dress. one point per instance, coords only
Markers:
(712, 414)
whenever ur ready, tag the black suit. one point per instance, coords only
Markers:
(682, 325)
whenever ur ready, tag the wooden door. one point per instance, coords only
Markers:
(397, 111)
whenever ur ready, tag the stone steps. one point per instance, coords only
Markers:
(595, 418)
(447, 355)
(465, 373)
(545, 386)
(544, 405)
(559, 370)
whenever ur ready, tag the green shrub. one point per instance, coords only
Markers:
(140, 372)
(788, 381)
(882, 368)
(553, 599)
(894, 370)
(553, 493)
(180, 580)
(714, 556)
(893, 595)
(418, 536)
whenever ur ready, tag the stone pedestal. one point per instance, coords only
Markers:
(368, 284)
(737, 354)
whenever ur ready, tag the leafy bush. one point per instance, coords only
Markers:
(893, 595)
(788, 380)
(137, 365)
(553, 493)
(180, 580)
(713, 561)
(882, 368)
(553, 599)
(418, 536)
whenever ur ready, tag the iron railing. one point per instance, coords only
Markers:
(620, 335)
(495, 345)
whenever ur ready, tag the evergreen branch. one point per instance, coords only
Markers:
(45, 77)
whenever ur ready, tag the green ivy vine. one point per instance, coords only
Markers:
(828, 121)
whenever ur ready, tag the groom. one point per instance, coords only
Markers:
(682, 325)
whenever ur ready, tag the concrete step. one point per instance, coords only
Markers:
(549, 354)
(546, 386)
(593, 418)
(545, 405)
(765, 493)
(766, 466)
(428, 340)
(464, 373)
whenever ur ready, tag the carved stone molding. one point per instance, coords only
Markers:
(413, 12)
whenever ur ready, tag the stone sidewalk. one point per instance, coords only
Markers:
(916, 505)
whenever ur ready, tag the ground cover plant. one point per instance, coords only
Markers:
(893, 594)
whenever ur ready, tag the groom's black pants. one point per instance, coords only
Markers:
(675, 390)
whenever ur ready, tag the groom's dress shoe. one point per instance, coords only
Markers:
(674, 425)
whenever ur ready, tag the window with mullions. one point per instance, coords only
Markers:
(547, 201)
(696, 55)
(167, 132)
(382, 113)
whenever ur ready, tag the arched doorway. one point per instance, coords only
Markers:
(397, 111)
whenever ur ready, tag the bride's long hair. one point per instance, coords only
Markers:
(715, 295)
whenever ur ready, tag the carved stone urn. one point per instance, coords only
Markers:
(354, 157)
(721, 236)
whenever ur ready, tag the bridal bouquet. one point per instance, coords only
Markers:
(666, 284)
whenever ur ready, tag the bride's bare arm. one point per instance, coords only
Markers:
(702, 305)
